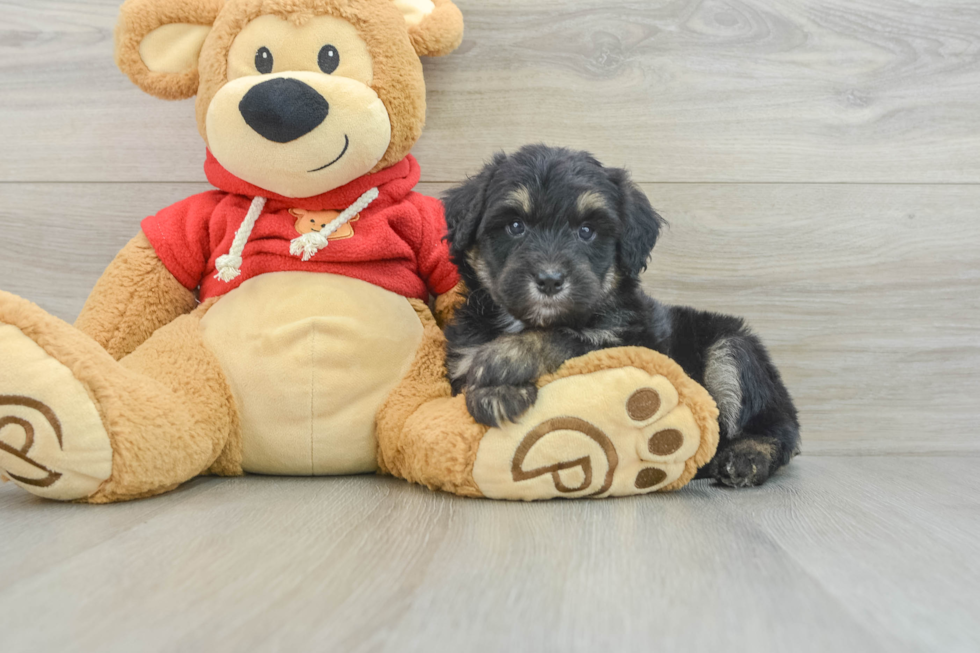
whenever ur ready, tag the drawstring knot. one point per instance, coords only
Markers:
(309, 244)
(230, 265)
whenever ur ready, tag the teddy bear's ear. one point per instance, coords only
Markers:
(158, 43)
(435, 26)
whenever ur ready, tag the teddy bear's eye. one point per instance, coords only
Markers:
(263, 61)
(329, 59)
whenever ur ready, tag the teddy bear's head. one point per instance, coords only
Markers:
(297, 97)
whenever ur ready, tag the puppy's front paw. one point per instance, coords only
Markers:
(494, 405)
(504, 362)
(746, 463)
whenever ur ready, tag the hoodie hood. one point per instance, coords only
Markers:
(393, 184)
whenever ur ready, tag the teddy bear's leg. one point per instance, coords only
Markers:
(424, 433)
(75, 424)
(615, 422)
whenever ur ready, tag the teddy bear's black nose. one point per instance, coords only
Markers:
(283, 109)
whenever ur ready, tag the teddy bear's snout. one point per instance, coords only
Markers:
(283, 109)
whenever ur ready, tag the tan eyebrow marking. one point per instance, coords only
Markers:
(521, 198)
(590, 200)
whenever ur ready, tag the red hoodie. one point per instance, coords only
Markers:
(396, 241)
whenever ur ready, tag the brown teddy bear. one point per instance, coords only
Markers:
(279, 324)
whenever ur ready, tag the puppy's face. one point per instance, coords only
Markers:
(546, 248)
(550, 234)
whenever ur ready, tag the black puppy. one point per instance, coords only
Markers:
(551, 245)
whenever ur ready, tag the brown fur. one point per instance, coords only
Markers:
(166, 407)
(521, 199)
(137, 18)
(447, 304)
(424, 435)
(440, 32)
(135, 296)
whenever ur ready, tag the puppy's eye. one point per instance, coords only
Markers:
(329, 59)
(516, 228)
(263, 61)
(586, 233)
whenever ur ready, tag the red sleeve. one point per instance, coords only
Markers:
(433, 252)
(179, 235)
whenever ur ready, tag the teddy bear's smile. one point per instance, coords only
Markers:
(339, 156)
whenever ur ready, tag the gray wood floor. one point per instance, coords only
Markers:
(835, 554)
(819, 163)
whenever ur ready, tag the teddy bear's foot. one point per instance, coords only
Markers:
(75, 424)
(52, 439)
(614, 432)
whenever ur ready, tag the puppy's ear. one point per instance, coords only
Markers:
(641, 224)
(465, 205)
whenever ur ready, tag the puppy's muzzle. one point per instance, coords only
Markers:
(550, 282)
(282, 110)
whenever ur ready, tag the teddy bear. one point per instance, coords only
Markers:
(288, 322)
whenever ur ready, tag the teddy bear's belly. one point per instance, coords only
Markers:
(310, 358)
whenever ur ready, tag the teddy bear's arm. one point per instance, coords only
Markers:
(447, 303)
(135, 296)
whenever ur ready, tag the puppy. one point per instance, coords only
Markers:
(551, 245)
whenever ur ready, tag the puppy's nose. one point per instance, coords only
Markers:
(550, 282)
(282, 109)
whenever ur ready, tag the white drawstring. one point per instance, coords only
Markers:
(230, 265)
(310, 243)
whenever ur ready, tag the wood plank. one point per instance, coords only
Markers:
(859, 554)
(874, 533)
(58, 238)
(679, 90)
(38, 534)
(868, 296)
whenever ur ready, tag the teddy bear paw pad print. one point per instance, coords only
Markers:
(615, 432)
(52, 440)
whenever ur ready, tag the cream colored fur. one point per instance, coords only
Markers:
(173, 48)
(54, 462)
(310, 358)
